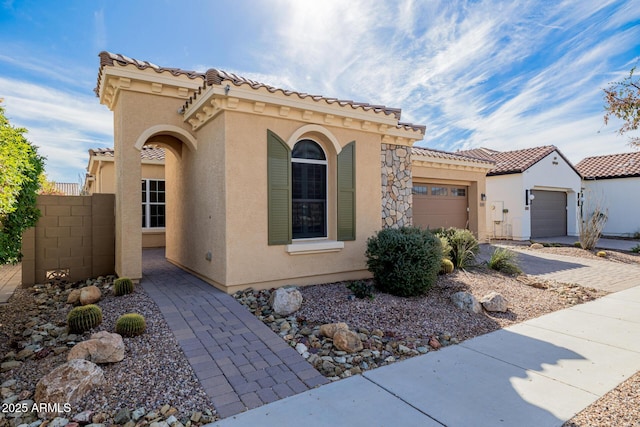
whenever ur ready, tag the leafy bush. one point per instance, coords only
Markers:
(505, 261)
(361, 289)
(446, 247)
(636, 249)
(464, 246)
(577, 245)
(404, 261)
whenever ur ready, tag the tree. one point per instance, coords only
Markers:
(623, 102)
(20, 170)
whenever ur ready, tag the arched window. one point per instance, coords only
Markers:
(309, 190)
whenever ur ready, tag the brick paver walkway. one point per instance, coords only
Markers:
(592, 273)
(239, 361)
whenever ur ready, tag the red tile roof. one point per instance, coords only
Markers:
(610, 166)
(429, 152)
(480, 153)
(215, 77)
(517, 161)
(148, 152)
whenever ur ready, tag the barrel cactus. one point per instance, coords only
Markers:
(602, 254)
(122, 286)
(446, 266)
(130, 325)
(84, 318)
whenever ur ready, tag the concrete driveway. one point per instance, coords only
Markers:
(592, 273)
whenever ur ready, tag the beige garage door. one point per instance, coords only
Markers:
(439, 205)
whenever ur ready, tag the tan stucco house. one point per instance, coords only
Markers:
(264, 186)
(101, 179)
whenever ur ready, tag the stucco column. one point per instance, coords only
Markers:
(128, 200)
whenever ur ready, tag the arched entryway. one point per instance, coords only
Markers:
(158, 196)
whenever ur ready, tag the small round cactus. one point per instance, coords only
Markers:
(446, 266)
(122, 286)
(84, 318)
(130, 325)
(601, 254)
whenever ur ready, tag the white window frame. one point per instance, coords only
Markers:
(326, 205)
(147, 203)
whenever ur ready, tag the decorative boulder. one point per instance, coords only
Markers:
(537, 246)
(494, 302)
(102, 347)
(68, 383)
(74, 297)
(329, 329)
(90, 295)
(466, 301)
(346, 340)
(285, 301)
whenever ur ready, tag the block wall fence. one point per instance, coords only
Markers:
(74, 239)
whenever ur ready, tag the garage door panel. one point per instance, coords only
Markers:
(435, 209)
(548, 213)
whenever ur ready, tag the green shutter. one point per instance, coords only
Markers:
(279, 189)
(347, 192)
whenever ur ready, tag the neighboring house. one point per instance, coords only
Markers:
(613, 181)
(449, 190)
(265, 186)
(101, 178)
(531, 193)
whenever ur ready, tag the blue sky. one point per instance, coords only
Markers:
(497, 74)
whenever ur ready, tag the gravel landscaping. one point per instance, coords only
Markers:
(155, 383)
(154, 379)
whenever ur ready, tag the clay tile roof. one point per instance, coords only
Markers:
(148, 152)
(480, 153)
(215, 77)
(610, 166)
(430, 152)
(108, 58)
(519, 161)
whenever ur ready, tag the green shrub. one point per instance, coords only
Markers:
(361, 289)
(404, 261)
(446, 266)
(577, 245)
(84, 318)
(122, 286)
(505, 261)
(464, 246)
(636, 249)
(130, 325)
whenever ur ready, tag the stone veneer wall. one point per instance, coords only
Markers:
(396, 186)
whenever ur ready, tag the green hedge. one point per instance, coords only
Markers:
(404, 261)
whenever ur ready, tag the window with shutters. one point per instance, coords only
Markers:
(301, 191)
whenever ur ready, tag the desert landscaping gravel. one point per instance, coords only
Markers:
(154, 372)
(156, 376)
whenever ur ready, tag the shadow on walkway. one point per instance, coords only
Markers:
(239, 361)
(531, 264)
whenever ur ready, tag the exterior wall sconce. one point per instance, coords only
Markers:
(528, 196)
(227, 88)
(483, 197)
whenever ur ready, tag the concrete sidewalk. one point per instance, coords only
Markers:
(537, 373)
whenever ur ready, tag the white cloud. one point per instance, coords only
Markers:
(64, 125)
